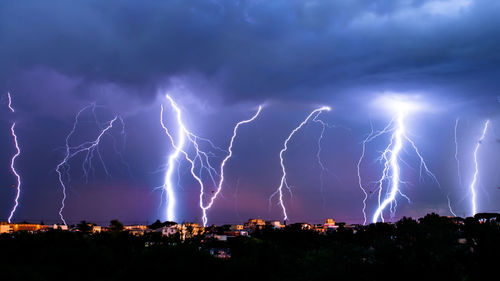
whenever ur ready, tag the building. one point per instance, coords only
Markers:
(5, 228)
(185, 230)
(96, 229)
(54, 227)
(254, 224)
(189, 230)
(137, 230)
(329, 223)
(318, 228)
(275, 224)
(29, 227)
(170, 230)
(236, 227)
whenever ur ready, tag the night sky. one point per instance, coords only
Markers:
(220, 60)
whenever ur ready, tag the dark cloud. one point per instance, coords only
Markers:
(258, 49)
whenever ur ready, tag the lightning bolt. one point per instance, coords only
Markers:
(457, 160)
(228, 156)
(9, 104)
(392, 170)
(88, 148)
(371, 136)
(168, 186)
(283, 182)
(476, 168)
(201, 157)
(360, 183)
(12, 166)
(13, 160)
(324, 170)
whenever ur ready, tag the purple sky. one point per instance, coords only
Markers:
(220, 60)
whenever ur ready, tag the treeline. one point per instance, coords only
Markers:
(432, 248)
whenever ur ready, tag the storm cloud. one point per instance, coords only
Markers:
(258, 50)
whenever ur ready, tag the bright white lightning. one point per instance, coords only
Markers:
(476, 168)
(371, 136)
(12, 166)
(283, 182)
(88, 147)
(390, 158)
(200, 157)
(391, 167)
(172, 158)
(9, 104)
(228, 156)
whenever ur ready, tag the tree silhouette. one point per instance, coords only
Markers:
(84, 227)
(115, 226)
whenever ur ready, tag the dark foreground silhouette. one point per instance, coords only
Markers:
(432, 248)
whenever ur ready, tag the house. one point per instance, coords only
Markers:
(136, 230)
(254, 224)
(275, 224)
(170, 230)
(5, 228)
(236, 227)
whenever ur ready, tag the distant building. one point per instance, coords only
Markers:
(275, 224)
(58, 227)
(137, 230)
(188, 230)
(329, 223)
(320, 228)
(29, 227)
(5, 228)
(254, 224)
(185, 230)
(236, 227)
(170, 230)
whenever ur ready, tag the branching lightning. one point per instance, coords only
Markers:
(476, 168)
(324, 170)
(228, 156)
(391, 171)
(88, 148)
(390, 157)
(283, 182)
(184, 137)
(200, 157)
